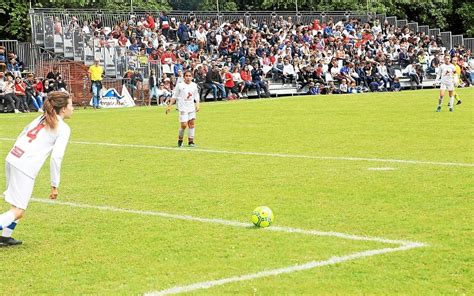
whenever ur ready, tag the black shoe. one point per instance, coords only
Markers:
(458, 102)
(9, 241)
(191, 144)
(180, 143)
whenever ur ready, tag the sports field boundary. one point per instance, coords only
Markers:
(402, 245)
(279, 155)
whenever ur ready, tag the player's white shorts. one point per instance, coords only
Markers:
(446, 86)
(186, 116)
(19, 187)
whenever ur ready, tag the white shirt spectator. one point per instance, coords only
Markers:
(288, 69)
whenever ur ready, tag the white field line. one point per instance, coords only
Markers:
(382, 169)
(282, 155)
(278, 271)
(403, 245)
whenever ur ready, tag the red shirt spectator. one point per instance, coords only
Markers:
(229, 81)
(166, 56)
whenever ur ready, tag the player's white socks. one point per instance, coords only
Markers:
(7, 231)
(191, 133)
(180, 133)
(6, 219)
(451, 102)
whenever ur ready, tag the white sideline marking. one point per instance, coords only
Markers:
(273, 272)
(403, 245)
(382, 169)
(282, 155)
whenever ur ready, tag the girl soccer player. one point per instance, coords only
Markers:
(446, 78)
(47, 134)
(186, 96)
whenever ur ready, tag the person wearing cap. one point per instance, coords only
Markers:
(96, 74)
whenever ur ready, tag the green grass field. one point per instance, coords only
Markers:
(318, 162)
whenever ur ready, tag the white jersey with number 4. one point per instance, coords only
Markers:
(35, 143)
(186, 95)
(446, 74)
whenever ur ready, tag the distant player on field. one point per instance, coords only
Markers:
(47, 134)
(446, 78)
(186, 96)
(457, 79)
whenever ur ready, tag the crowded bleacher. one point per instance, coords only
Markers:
(238, 59)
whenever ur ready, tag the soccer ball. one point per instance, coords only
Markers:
(262, 217)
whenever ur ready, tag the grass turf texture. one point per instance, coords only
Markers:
(75, 251)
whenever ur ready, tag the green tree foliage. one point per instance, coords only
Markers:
(15, 21)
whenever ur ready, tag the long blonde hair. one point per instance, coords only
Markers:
(53, 104)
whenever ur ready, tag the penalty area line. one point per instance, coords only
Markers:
(402, 245)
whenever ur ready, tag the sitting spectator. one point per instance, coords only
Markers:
(214, 81)
(257, 79)
(412, 72)
(314, 89)
(20, 93)
(9, 93)
(343, 87)
(396, 86)
(246, 76)
(288, 72)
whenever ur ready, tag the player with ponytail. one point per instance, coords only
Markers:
(47, 135)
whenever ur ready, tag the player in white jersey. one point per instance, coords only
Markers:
(186, 96)
(446, 78)
(44, 136)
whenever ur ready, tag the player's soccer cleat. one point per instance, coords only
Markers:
(451, 109)
(9, 241)
(191, 144)
(180, 143)
(438, 109)
(459, 102)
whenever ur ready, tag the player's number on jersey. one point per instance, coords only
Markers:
(34, 132)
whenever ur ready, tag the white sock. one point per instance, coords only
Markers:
(191, 133)
(181, 133)
(451, 102)
(6, 219)
(7, 231)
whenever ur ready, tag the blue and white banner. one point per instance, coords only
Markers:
(110, 98)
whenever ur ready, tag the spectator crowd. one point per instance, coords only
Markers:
(22, 91)
(230, 58)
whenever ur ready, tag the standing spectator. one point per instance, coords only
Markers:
(96, 74)
(164, 23)
(183, 32)
(136, 81)
(229, 84)
(152, 87)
